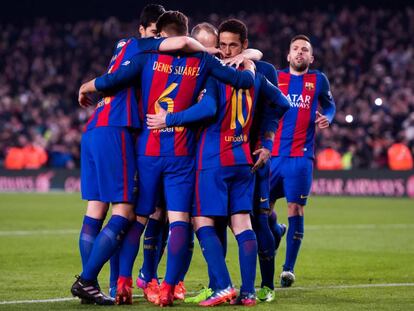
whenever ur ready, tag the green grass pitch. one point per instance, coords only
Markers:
(357, 254)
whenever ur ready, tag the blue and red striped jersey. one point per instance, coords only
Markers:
(121, 108)
(173, 82)
(264, 108)
(295, 134)
(226, 140)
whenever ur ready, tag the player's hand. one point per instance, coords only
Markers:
(321, 120)
(263, 156)
(157, 121)
(214, 51)
(234, 61)
(249, 65)
(84, 100)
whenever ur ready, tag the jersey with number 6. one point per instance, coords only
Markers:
(173, 82)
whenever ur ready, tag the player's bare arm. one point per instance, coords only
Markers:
(252, 54)
(185, 44)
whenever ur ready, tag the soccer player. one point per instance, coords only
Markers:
(147, 28)
(224, 181)
(207, 35)
(166, 156)
(293, 150)
(108, 134)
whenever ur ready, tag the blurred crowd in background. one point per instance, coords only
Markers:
(368, 56)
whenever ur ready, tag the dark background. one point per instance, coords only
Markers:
(22, 11)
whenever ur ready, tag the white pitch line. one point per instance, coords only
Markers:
(348, 286)
(192, 293)
(308, 227)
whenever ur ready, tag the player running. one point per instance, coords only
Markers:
(293, 150)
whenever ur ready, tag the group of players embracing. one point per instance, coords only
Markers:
(194, 135)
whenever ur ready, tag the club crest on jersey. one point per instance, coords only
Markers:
(120, 44)
(309, 86)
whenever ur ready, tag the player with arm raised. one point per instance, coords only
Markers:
(108, 133)
(166, 157)
(224, 181)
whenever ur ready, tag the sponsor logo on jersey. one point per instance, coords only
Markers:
(299, 101)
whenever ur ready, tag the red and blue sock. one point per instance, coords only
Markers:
(114, 269)
(247, 259)
(220, 225)
(189, 256)
(90, 230)
(151, 244)
(105, 246)
(266, 249)
(177, 250)
(129, 249)
(213, 254)
(276, 229)
(293, 241)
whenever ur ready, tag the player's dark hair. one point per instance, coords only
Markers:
(207, 27)
(301, 37)
(234, 26)
(173, 22)
(150, 14)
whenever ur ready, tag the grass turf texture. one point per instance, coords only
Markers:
(348, 242)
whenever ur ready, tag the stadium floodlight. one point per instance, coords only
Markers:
(349, 118)
(378, 101)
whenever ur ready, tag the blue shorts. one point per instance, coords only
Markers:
(171, 177)
(291, 177)
(262, 187)
(108, 166)
(223, 191)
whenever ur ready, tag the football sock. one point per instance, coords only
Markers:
(129, 249)
(220, 225)
(276, 229)
(152, 237)
(162, 242)
(210, 247)
(105, 246)
(266, 249)
(90, 229)
(247, 259)
(293, 240)
(114, 268)
(189, 256)
(177, 250)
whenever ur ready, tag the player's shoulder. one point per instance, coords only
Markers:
(282, 71)
(319, 76)
(263, 66)
(212, 58)
(124, 41)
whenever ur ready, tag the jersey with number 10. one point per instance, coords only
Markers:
(226, 141)
(173, 82)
